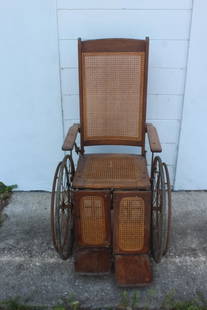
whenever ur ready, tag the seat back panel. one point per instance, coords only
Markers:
(113, 93)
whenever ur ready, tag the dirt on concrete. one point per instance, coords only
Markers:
(31, 269)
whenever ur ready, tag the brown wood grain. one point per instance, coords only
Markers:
(93, 261)
(113, 45)
(71, 137)
(153, 137)
(133, 270)
(145, 93)
(80, 74)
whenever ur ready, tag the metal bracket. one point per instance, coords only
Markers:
(77, 149)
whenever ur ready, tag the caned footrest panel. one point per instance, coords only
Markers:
(131, 222)
(92, 218)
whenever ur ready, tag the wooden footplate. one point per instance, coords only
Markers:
(133, 270)
(93, 261)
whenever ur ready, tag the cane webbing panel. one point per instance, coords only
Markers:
(131, 224)
(111, 171)
(111, 168)
(113, 87)
(92, 220)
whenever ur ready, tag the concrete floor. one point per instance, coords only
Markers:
(30, 268)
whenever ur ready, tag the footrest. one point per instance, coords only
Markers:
(93, 261)
(133, 270)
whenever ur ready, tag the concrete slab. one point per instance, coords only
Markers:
(30, 268)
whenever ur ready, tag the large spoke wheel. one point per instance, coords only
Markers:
(161, 209)
(61, 208)
(168, 208)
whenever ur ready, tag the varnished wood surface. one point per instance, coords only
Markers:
(93, 261)
(133, 270)
(121, 171)
(114, 45)
(145, 93)
(154, 141)
(70, 137)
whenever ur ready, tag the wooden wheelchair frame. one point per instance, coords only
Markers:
(108, 212)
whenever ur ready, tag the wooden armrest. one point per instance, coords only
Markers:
(71, 137)
(154, 141)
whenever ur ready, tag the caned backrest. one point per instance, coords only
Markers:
(113, 85)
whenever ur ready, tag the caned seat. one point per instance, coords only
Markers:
(116, 171)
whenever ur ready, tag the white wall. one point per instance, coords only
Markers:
(35, 46)
(166, 22)
(191, 167)
(30, 109)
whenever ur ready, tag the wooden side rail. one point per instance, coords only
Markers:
(71, 137)
(154, 141)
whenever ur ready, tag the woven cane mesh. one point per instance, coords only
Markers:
(110, 168)
(113, 85)
(131, 224)
(92, 220)
(111, 171)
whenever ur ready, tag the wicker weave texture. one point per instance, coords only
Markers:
(112, 168)
(111, 171)
(92, 220)
(113, 86)
(131, 224)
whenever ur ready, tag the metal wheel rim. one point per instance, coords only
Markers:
(61, 208)
(62, 211)
(158, 210)
(169, 208)
(53, 198)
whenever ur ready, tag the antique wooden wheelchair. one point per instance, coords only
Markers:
(108, 212)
